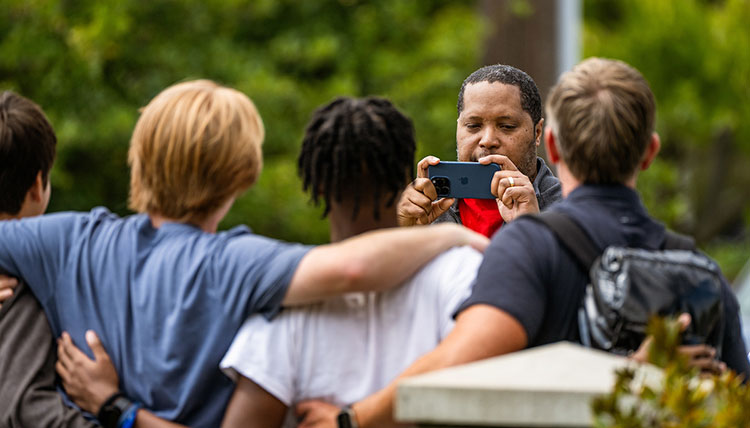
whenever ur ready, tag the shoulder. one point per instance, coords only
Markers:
(524, 234)
(546, 185)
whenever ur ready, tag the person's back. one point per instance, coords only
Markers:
(347, 347)
(166, 302)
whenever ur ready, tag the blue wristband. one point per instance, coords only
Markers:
(127, 420)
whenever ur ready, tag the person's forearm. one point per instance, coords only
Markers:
(373, 261)
(481, 332)
(146, 419)
(377, 409)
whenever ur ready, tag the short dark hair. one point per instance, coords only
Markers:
(357, 146)
(27, 147)
(531, 101)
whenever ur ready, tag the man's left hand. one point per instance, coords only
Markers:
(317, 414)
(513, 190)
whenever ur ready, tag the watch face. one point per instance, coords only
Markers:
(110, 414)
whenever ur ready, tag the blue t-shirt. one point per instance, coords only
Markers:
(166, 302)
(528, 274)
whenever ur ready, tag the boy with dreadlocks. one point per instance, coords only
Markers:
(347, 347)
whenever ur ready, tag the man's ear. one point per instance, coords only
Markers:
(550, 144)
(36, 191)
(651, 151)
(538, 131)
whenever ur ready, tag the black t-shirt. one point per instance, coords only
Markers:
(528, 274)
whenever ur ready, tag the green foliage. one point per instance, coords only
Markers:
(683, 398)
(92, 64)
(696, 56)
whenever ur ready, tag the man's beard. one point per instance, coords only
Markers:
(527, 165)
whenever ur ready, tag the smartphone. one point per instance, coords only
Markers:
(463, 179)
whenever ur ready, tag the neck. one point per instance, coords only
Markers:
(208, 225)
(568, 182)
(343, 227)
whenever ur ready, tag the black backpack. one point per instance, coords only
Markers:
(627, 286)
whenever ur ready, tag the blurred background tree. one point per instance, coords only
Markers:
(92, 64)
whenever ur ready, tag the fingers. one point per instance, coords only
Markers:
(684, 320)
(96, 346)
(302, 408)
(425, 187)
(703, 357)
(424, 164)
(72, 350)
(505, 180)
(7, 284)
(416, 203)
(505, 163)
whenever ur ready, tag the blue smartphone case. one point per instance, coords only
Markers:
(463, 179)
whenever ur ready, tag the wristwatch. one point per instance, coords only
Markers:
(112, 410)
(346, 418)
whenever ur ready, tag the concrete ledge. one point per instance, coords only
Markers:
(545, 386)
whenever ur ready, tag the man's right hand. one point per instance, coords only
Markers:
(418, 203)
(7, 284)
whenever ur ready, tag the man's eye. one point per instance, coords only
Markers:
(473, 125)
(507, 126)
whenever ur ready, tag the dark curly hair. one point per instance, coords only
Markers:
(357, 146)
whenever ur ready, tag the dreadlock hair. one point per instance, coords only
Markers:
(357, 146)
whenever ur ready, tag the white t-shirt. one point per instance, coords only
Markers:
(345, 348)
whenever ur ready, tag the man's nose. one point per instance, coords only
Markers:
(490, 139)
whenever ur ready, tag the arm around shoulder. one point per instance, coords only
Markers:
(373, 261)
(481, 331)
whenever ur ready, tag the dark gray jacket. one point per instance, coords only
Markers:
(28, 396)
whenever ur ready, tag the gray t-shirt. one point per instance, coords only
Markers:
(27, 368)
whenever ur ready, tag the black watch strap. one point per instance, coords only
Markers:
(346, 418)
(112, 409)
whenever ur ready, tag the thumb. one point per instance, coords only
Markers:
(684, 320)
(96, 345)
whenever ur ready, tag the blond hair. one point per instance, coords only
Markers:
(602, 115)
(196, 145)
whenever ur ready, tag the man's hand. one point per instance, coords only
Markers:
(513, 190)
(316, 414)
(418, 203)
(702, 357)
(88, 382)
(7, 284)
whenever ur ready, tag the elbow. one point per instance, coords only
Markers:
(355, 276)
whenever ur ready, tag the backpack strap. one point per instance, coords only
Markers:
(571, 236)
(676, 241)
